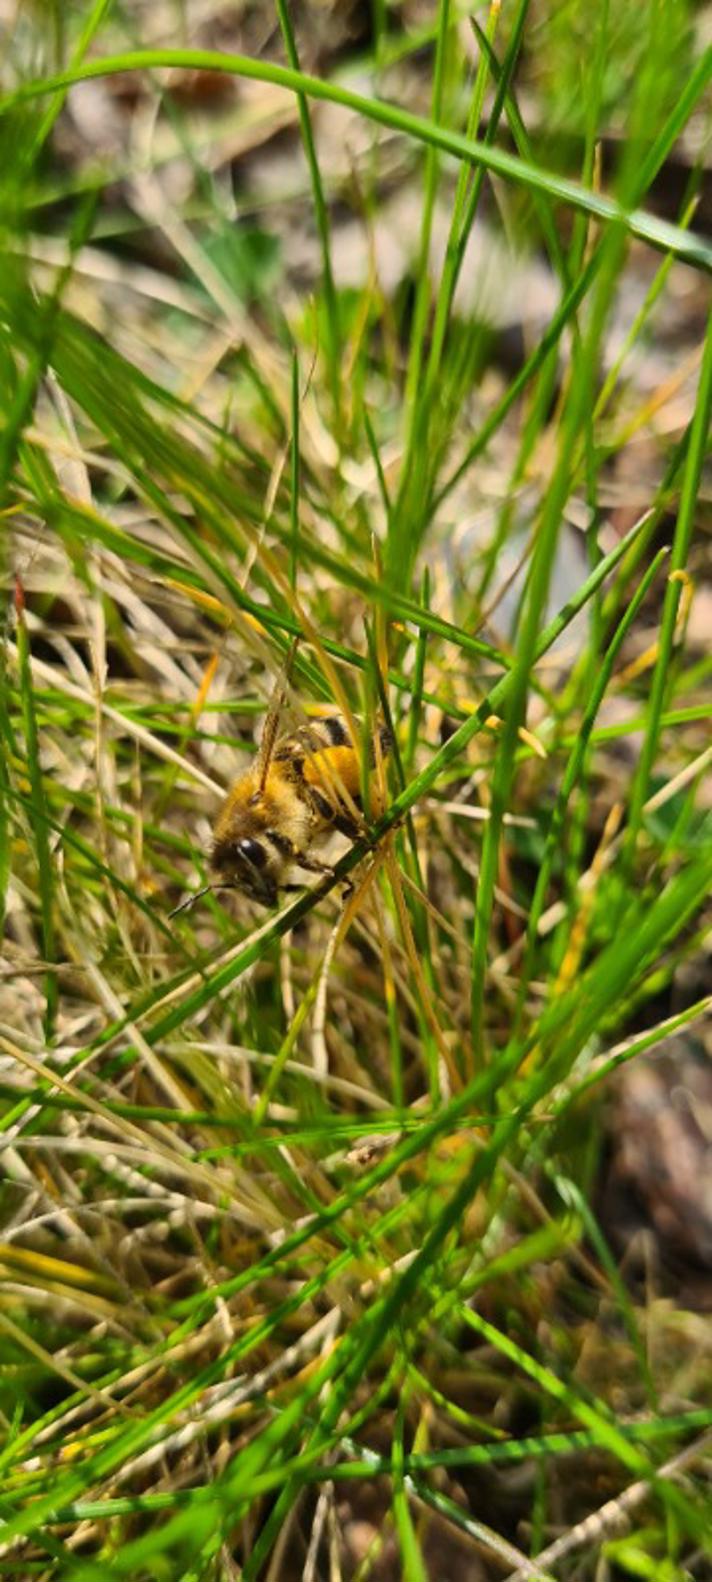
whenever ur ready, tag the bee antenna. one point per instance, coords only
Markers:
(271, 725)
(190, 900)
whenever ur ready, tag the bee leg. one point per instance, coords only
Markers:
(313, 865)
(347, 826)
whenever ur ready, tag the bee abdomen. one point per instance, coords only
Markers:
(336, 731)
(318, 736)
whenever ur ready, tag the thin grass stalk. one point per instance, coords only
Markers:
(661, 682)
(333, 347)
(423, 293)
(658, 233)
(574, 767)
(37, 814)
(534, 603)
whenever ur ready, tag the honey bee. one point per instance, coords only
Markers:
(302, 787)
(276, 812)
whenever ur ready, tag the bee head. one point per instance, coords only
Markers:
(248, 864)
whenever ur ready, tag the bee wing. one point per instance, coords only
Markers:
(271, 725)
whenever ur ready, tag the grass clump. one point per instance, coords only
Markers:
(324, 1251)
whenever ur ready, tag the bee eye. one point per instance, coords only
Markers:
(253, 852)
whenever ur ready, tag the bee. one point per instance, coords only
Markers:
(302, 787)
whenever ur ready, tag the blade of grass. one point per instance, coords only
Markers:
(593, 1415)
(425, 401)
(571, 1194)
(295, 470)
(573, 770)
(416, 697)
(658, 233)
(369, 1465)
(467, 203)
(536, 593)
(410, 1551)
(37, 811)
(333, 347)
(7, 745)
(423, 291)
(579, 287)
(699, 442)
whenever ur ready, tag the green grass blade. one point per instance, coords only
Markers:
(698, 447)
(658, 233)
(37, 815)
